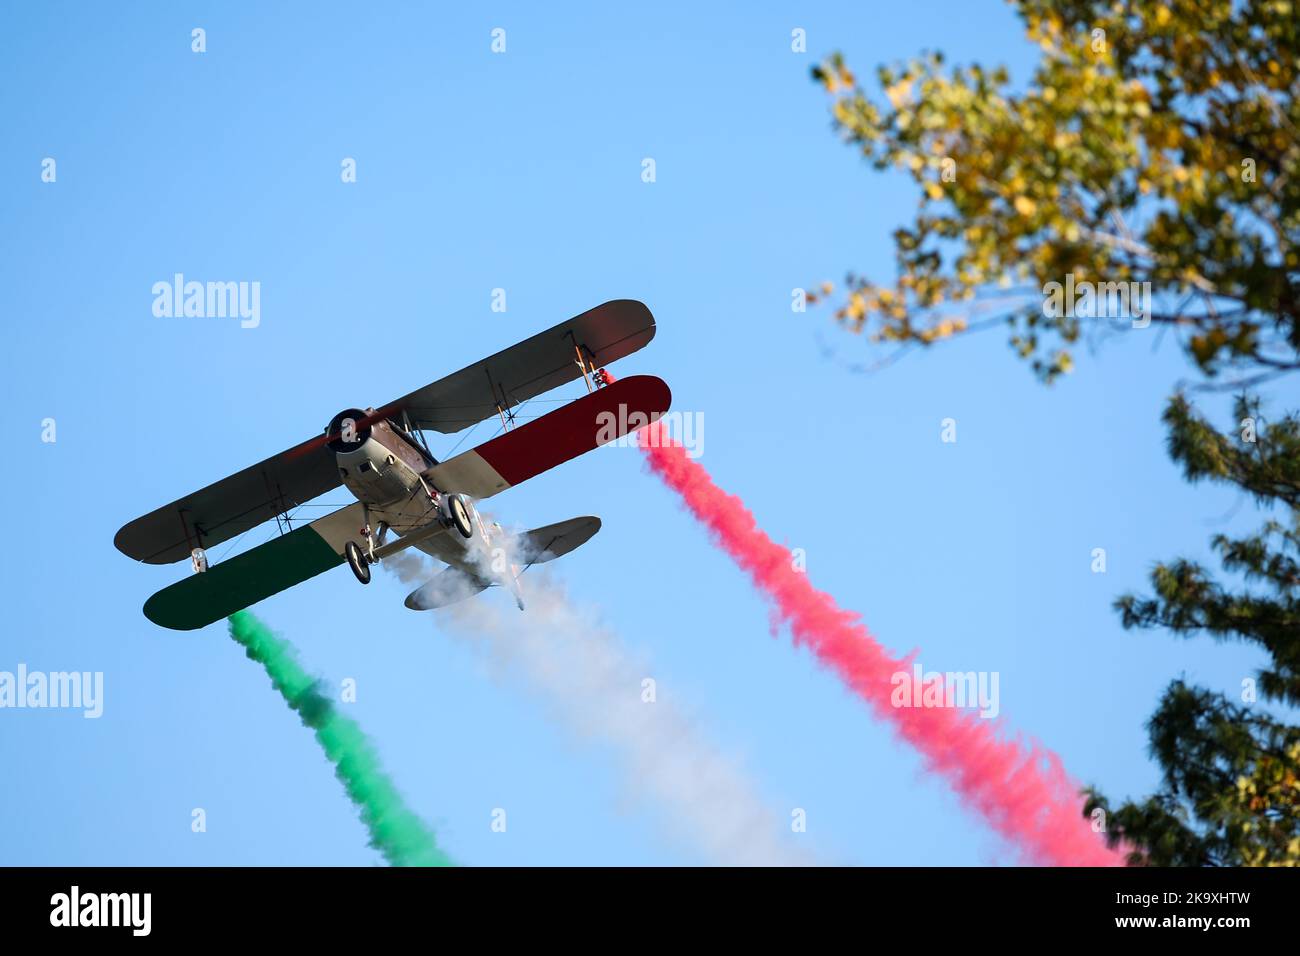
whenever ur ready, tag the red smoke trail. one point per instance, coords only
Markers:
(1022, 790)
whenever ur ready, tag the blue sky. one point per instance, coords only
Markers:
(522, 171)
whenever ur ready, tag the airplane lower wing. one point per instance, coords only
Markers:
(256, 574)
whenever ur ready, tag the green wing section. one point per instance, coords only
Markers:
(242, 581)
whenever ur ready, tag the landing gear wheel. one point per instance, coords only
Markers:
(357, 561)
(460, 516)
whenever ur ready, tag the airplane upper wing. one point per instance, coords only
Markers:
(547, 360)
(231, 506)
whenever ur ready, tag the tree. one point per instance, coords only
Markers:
(1157, 144)
(1147, 176)
(1231, 788)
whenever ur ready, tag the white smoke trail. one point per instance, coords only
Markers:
(592, 686)
(409, 566)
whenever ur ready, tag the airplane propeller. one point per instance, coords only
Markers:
(359, 425)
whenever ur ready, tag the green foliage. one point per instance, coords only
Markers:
(1230, 795)
(1155, 143)
(1231, 791)
(1187, 599)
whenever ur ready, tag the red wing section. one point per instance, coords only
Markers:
(542, 444)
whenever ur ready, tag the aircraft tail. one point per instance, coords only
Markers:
(531, 547)
(514, 585)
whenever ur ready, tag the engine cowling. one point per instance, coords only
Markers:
(372, 470)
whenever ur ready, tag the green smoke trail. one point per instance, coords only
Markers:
(395, 831)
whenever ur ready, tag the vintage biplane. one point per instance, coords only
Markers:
(381, 456)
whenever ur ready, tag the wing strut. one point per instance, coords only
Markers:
(586, 363)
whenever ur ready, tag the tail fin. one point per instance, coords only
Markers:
(514, 585)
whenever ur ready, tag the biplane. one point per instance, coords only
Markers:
(406, 498)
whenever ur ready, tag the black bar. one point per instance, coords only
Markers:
(935, 908)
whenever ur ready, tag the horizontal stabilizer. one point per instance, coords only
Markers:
(446, 587)
(546, 544)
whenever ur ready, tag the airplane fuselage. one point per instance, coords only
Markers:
(384, 470)
(378, 464)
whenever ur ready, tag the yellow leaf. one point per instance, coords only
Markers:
(899, 91)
